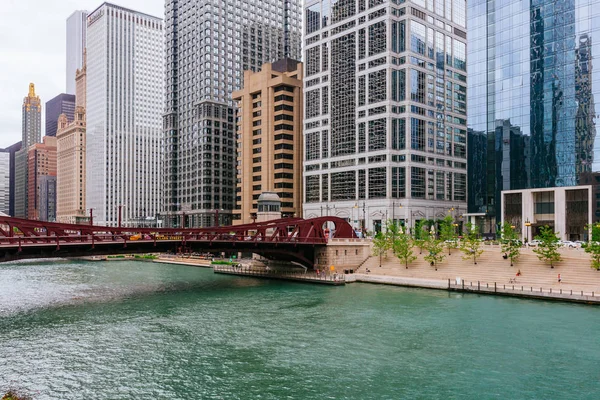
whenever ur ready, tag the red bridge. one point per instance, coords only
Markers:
(290, 239)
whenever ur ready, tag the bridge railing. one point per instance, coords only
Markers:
(128, 238)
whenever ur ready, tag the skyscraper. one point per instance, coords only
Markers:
(5, 181)
(71, 158)
(270, 139)
(125, 69)
(12, 150)
(532, 94)
(76, 36)
(209, 45)
(61, 104)
(31, 134)
(385, 110)
(42, 180)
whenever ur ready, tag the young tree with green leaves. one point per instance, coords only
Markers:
(381, 245)
(403, 248)
(419, 235)
(392, 229)
(435, 250)
(471, 245)
(593, 249)
(510, 244)
(547, 249)
(448, 233)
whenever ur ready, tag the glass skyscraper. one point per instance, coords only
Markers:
(385, 110)
(534, 88)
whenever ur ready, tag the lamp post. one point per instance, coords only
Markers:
(527, 225)
(91, 216)
(364, 222)
(357, 216)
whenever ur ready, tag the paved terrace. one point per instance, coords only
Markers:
(491, 268)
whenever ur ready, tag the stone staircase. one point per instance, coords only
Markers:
(491, 267)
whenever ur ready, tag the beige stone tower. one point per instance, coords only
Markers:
(71, 158)
(269, 137)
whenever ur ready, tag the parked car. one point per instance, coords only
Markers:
(534, 243)
(568, 243)
(580, 243)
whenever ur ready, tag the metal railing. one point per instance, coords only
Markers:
(281, 274)
(516, 289)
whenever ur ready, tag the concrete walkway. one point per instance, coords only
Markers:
(491, 270)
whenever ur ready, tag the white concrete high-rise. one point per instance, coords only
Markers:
(125, 68)
(209, 45)
(76, 30)
(4, 182)
(385, 122)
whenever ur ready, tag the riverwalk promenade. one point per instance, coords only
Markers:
(492, 274)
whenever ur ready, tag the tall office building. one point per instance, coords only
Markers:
(533, 93)
(71, 158)
(5, 182)
(31, 134)
(125, 100)
(385, 110)
(12, 151)
(61, 104)
(42, 180)
(209, 45)
(269, 132)
(76, 36)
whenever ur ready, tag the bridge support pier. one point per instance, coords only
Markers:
(342, 254)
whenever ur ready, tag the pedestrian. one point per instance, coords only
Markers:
(559, 278)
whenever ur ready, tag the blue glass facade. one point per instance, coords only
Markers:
(534, 93)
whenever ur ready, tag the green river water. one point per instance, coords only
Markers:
(135, 330)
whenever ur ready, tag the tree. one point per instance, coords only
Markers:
(392, 229)
(595, 231)
(448, 233)
(419, 235)
(381, 245)
(547, 249)
(403, 248)
(435, 250)
(510, 244)
(593, 248)
(471, 245)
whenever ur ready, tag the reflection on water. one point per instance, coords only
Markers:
(133, 330)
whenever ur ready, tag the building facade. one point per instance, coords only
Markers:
(568, 210)
(71, 158)
(209, 45)
(12, 151)
(269, 138)
(42, 180)
(5, 182)
(125, 70)
(533, 87)
(31, 134)
(71, 169)
(385, 110)
(76, 37)
(61, 104)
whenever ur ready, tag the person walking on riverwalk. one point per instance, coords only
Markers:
(559, 278)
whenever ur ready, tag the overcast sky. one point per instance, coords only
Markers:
(32, 49)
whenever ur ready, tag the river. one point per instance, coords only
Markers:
(136, 330)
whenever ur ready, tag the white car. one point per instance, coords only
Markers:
(534, 243)
(569, 244)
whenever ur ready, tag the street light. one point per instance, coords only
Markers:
(527, 225)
